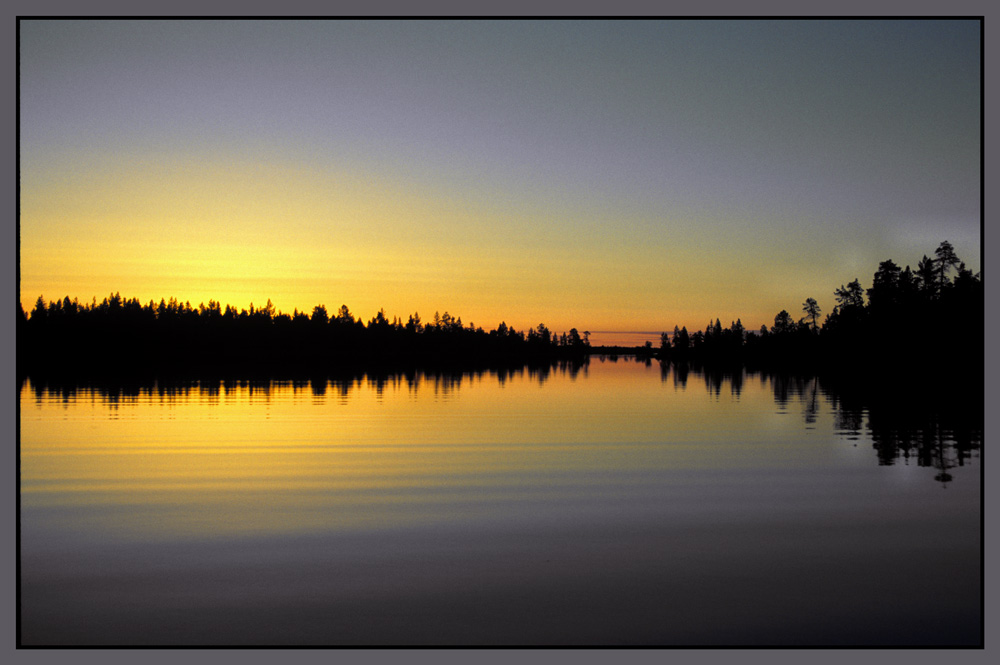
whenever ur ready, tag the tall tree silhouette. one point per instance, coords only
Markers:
(851, 295)
(783, 324)
(883, 294)
(319, 316)
(928, 278)
(945, 261)
(812, 310)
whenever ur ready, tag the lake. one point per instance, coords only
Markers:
(617, 503)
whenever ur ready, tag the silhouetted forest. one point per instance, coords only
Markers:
(124, 335)
(907, 319)
(931, 317)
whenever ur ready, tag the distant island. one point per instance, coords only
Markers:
(930, 318)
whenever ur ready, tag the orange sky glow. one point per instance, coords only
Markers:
(604, 185)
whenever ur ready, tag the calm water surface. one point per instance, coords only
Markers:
(615, 504)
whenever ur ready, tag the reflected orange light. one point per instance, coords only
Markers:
(215, 461)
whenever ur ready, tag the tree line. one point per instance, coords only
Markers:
(122, 333)
(933, 314)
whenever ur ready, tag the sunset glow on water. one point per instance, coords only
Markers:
(279, 482)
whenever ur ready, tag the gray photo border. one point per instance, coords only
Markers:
(525, 8)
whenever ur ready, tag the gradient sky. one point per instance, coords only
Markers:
(604, 175)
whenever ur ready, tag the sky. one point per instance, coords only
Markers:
(603, 175)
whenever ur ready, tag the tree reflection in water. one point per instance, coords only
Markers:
(906, 419)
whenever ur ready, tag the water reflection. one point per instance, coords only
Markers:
(906, 423)
(507, 506)
(913, 422)
(442, 382)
